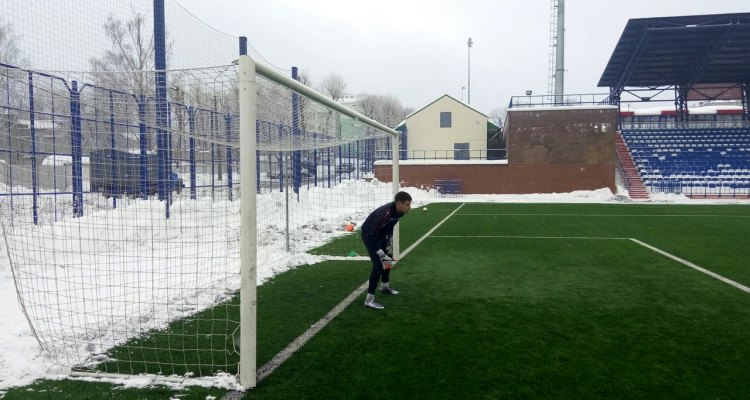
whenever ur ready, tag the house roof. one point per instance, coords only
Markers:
(491, 126)
(433, 102)
(685, 50)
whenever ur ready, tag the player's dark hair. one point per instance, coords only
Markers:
(402, 197)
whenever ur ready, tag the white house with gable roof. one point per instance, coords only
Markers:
(446, 129)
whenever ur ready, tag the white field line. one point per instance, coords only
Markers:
(695, 267)
(605, 215)
(646, 245)
(529, 237)
(300, 341)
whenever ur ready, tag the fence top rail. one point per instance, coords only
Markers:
(290, 83)
(561, 100)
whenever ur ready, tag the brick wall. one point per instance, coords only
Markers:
(549, 150)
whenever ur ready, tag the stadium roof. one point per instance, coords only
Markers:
(686, 50)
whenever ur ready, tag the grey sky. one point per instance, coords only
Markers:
(413, 49)
(416, 49)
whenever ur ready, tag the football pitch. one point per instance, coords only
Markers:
(514, 301)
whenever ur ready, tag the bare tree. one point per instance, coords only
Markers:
(334, 86)
(9, 52)
(368, 103)
(130, 59)
(496, 140)
(407, 110)
(392, 111)
(304, 101)
(496, 116)
(386, 109)
(132, 54)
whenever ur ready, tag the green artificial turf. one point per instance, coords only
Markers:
(516, 301)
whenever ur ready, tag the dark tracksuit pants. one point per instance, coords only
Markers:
(378, 272)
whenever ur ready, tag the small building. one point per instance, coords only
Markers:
(446, 129)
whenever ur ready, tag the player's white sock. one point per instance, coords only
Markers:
(370, 297)
(385, 285)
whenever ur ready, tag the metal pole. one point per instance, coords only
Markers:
(162, 108)
(286, 205)
(296, 132)
(191, 127)
(468, 96)
(32, 130)
(560, 53)
(76, 149)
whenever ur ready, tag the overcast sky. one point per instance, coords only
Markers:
(413, 49)
(417, 50)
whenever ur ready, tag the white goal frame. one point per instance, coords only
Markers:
(248, 69)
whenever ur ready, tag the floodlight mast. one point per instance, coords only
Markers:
(468, 97)
(560, 53)
(556, 79)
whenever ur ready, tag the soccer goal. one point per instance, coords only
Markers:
(136, 242)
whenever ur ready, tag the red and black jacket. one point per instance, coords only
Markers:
(379, 225)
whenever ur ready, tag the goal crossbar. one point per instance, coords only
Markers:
(298, 87)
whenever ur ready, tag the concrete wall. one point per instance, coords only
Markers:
(549, 150)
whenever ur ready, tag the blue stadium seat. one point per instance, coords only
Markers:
(692, 159)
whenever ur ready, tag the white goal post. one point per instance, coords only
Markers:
(248, 69)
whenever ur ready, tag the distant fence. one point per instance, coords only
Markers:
(701, 187)
(51, 124)
(564, 100)
(447, 154)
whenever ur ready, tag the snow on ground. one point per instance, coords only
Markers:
(22, 361)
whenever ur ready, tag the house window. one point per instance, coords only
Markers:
(445, 119)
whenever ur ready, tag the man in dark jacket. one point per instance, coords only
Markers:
(377, 234)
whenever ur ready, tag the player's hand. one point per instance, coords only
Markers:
(385, 259)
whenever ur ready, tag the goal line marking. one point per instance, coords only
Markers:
(300, 341)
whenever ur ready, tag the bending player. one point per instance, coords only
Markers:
(377, 233)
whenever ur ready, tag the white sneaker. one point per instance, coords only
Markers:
(374, 304)
(389, 290)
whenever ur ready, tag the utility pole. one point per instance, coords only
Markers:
(468, 101)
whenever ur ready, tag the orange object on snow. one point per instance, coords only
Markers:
(349, 227)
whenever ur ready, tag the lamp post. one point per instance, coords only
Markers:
(462, 92)
(469, 77)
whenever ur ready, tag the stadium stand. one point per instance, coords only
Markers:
(700, 146)
(692, 161)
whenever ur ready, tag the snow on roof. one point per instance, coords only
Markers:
(39, 123)
(59, 160)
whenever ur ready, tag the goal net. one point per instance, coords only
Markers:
(123, 228)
